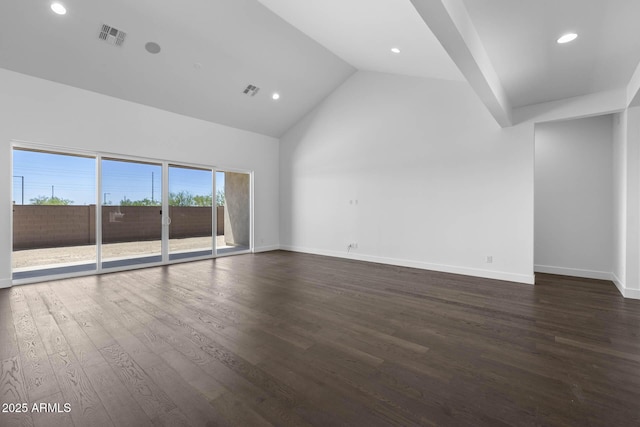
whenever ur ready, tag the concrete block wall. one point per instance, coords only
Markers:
(189, 222)
(50, 226)
(220, 220)
(37, 226)
(131, 223)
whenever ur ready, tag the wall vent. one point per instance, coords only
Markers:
(251, 90)
(112, 35)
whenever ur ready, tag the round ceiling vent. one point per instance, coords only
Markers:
(152, 47)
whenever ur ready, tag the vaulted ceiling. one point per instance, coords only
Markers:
(520, 40)
(363, 32)
(303, 50)
(210, 51)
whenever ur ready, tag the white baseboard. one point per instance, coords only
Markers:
(575, 272)
(590, 274)
(266, 248)
(616, 281)
(626, 292)
(475, 272)
(5, 283)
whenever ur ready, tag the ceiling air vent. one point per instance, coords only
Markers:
(112, 35)
(251, 90)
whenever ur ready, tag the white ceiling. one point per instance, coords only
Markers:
(305, 49)
(520, 40)
(236, 42)
(362, 32)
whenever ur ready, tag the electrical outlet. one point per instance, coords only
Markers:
(352, 246)
(489, 259)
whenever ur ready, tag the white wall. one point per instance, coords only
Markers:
(619, 169)
(573, 197)
(40, 111)
(438, 184)
(626, 202)
(632, 279)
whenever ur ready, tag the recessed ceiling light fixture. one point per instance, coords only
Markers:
(58, 8)
(569, 37)
(395, 50)
(275, 96)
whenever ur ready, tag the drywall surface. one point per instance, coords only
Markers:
(573, 197)
(40, 111)
(619, 194)
(632, 279)
(421, 154)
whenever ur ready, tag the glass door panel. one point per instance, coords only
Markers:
(54, 213)
(131, 213)
(233, 200)
(190, 212)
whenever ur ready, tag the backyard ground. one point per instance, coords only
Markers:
(30, 258)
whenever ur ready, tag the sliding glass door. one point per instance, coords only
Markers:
(190, 212)
(81, 212)
(54, 203)
(131, 212)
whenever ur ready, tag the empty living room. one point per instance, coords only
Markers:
(319, 213)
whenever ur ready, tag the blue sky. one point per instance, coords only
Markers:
(73, 178)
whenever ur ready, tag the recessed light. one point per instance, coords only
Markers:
(275, 96)
(569, 37)
(395, 50)
(58, 8)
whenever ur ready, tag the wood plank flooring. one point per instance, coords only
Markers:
(295, 340)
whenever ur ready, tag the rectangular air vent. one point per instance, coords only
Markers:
(112, 35)
(251, 90)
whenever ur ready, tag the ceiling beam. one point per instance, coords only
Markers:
(450, 23)
(592, 104)
(633, 89)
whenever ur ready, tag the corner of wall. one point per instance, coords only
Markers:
(624, 291)
(619, 284)
(574, 272)
(5, 283)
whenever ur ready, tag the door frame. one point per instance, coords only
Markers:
(98, 156)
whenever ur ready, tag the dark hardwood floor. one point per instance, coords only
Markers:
(291, 339)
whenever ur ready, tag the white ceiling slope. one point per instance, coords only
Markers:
(520, 40)
(505, 49)
(211, 50)
(362, 32)
(452, 26)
